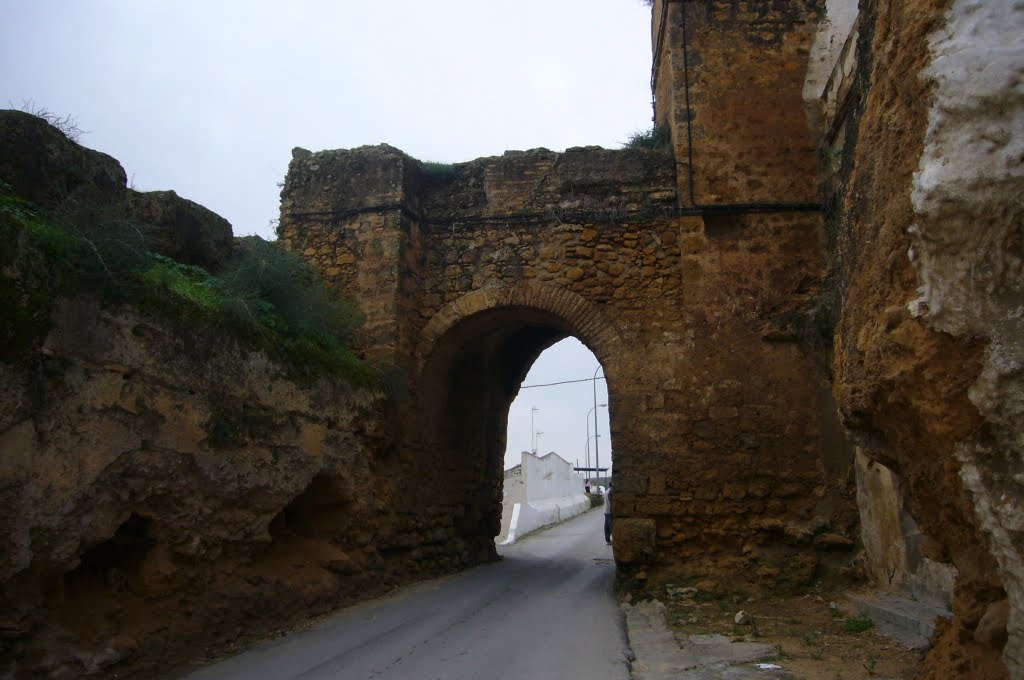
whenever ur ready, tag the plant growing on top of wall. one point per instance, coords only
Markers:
(857, 624)
(275, 298)
(439, 171)
(81, 243)
(657, 139)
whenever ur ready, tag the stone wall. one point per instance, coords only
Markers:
(926, 264)
(728, 79)
(695, 319)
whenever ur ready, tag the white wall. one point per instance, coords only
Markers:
(549, 476)
(541, 491)
(832, 33)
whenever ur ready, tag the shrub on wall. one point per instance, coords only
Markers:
(439, 171)
(656, 139)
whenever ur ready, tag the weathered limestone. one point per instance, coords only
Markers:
(185, 231)
(833, 32)
(43, 166)
(968, 249)
(925, 244)
(892, 541)
(165, 490)
(69, 181)
(165, 485)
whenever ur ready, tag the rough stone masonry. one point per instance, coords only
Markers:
(812, 215)
(469, 277)
(808, 313)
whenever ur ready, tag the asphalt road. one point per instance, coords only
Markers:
(544, 613)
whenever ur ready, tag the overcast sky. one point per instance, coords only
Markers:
(208, 97)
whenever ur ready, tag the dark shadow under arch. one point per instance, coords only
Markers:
(473, 358)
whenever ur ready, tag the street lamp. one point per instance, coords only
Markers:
(596, 406)
(597, 452)
(533, 431)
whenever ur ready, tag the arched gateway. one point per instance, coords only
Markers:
(715, 409)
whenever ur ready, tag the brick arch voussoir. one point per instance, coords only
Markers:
(589, 323)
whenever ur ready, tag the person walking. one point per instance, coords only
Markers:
(608, 515)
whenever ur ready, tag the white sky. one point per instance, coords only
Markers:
(563, 411)
(208, 97)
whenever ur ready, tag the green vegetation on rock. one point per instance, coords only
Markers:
(858, 624)
(268, 297)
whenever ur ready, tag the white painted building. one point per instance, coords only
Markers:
(540, 491)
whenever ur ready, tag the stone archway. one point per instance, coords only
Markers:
(467, 279)
(585, 319)
(471, 359)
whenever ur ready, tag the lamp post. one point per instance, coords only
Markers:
(586, 449)
(587, 446)
(533, 431)
(596, 406)
(536, 438)
(597, 451)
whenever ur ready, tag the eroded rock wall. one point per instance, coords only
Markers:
(166, 491)
(926, 250)
(71, 182)
(967, 246)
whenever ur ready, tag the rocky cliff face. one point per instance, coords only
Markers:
(43, 166)
(164, 488)
(928, 349)
(167, 490)
(163, 484)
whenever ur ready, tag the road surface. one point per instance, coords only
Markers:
(545, 612)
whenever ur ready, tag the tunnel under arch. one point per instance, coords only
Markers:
(472, 360)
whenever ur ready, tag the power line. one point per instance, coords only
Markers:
(564, 382)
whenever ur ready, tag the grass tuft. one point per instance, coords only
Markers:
(858, 624)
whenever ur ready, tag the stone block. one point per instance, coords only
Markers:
(723, 412)
(635, 540)
(734, 490)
